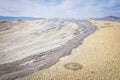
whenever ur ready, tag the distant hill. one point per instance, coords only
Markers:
(111, 18)
(9, 19)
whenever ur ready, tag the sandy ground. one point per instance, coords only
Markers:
(26, 47)
(98, 58)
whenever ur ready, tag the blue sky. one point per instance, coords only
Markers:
(60, 8)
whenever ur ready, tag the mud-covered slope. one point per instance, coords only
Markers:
(34, 45)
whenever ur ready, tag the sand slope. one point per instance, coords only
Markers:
(99, 56)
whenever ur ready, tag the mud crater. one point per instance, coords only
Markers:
(73, 66)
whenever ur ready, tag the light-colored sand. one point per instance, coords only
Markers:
(99, 56)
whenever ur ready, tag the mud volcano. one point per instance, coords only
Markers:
(35, 45)
(73, 66)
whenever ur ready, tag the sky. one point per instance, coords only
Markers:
(60, 8)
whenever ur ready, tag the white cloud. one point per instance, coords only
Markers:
(58, 8)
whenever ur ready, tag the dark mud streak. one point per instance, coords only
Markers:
(13, 70)
(4, 28)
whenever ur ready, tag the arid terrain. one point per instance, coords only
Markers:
(98, 58)
(30, 46)
(53, 49)
(59, 39)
